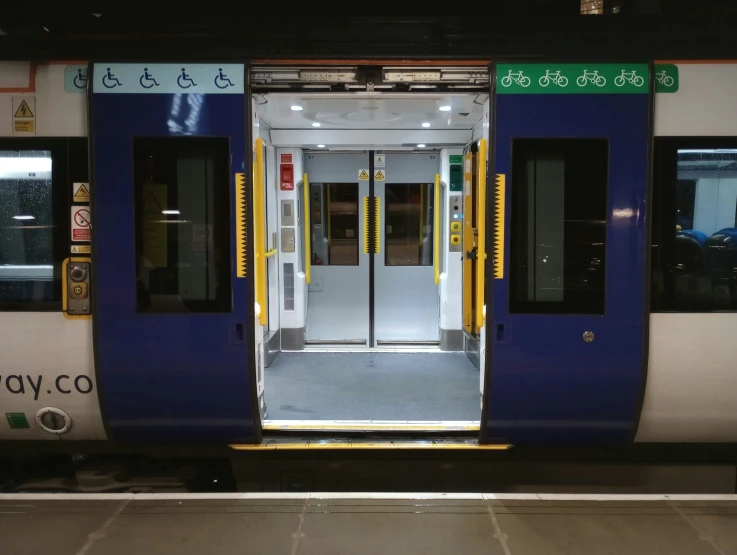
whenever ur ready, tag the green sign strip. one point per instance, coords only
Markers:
(589, 78)
(17, 420)
(456, 159)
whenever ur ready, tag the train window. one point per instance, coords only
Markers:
(694, 246)
(27, 260)
(335, 224)
(183, 261)
(408, 228)
(558, 237)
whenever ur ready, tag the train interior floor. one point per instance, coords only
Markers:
(387, 386)
(224, 524)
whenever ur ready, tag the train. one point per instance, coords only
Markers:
(563, 233)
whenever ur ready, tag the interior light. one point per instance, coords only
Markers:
(170, 212)
(315, 124)
(320, 146)
(421, 146)
(24, 217)
(426, 124)
(297, 108)
(445, 108)
(25, 168)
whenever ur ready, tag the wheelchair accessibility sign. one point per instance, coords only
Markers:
(169, 78)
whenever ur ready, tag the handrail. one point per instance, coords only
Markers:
(308, 247)
(272, 252)
(436, 231)
(258, 232)
(481, 239)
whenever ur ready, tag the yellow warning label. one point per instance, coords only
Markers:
(82, 194)
(25, 126)
(363, 175)
(379, 176)
(23, 111)
(80, 249)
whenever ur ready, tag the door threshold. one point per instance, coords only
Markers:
(380, 349)
(370, 426)
(357, 444)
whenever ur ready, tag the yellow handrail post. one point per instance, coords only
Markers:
(436, 231)
(259, 234)
(481, 239)
(308, 247)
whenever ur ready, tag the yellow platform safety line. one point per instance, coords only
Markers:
(366, 226)
(481, 239)
(259, 234)
(374, 445)
(377, 225)
(499, 210)
(65, 288)
(241, 244)
(436, 233)
(308, 247)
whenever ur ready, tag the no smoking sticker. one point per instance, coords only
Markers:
(81, 223)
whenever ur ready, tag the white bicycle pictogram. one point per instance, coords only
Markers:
(516, 77)
(629, 77)
(593, 77)
(664, 79)
(554, 77)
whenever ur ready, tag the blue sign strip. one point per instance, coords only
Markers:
(169, 78)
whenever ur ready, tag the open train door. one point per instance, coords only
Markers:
(174, 326)
(567, 299)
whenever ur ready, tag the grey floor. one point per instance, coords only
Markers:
(372, 386)
(291, 526)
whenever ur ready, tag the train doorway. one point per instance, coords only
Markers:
(361, 224)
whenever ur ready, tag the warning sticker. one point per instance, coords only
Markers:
(81, 223)
(363, 175)
(81, 192)
(379, 161)
(379, 176)
(80, 249)
(24, 117)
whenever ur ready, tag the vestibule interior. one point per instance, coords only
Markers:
(365, 257)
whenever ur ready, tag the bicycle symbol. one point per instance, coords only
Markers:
(592, 76)
(515, 77)
(184, 78)
(110, 78)
(664, 79)
(222, 78)
(148, 78)
(555, 77)
(80, 80)
(629, 77)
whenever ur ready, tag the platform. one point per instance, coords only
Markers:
(371, 524)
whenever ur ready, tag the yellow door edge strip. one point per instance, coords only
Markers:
(499, 212)
(259, 234)
(377, 225)
(357, 445)
(241, 248)
(366, 226)
(308, 232)
(436, 232)
(481, 239)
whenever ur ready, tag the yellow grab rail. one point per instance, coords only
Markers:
(481, 238)
(308, 247)
(259, 233)
(436, 232)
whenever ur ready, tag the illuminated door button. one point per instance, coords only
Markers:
(455, 226)
(78, 290)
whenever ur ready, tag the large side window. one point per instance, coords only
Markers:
(35, 187)
(559, 216)
(694, 239)
(182, 193)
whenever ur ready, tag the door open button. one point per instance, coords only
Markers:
(78, 290)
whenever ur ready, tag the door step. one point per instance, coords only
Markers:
(369, 426)
(297, 444)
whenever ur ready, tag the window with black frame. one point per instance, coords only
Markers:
(694, 238)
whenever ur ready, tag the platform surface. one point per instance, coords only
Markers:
(370, 524)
